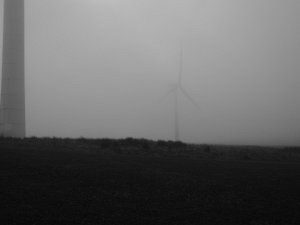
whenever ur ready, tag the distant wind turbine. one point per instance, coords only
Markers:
(177, 89)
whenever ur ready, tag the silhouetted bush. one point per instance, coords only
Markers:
(106, 143)
(145, 145)
(292, 150)
(206, 148)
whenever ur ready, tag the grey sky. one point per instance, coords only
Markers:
(100, 68)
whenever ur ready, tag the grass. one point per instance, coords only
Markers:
(89, 182)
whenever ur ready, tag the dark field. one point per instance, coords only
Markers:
(47, 181)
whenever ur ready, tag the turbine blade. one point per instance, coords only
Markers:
(170, 91)
(180, 65)
(186, 94)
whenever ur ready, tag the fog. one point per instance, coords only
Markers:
(102, 68)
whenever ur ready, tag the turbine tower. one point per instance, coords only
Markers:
(178, 89)
(12, 108)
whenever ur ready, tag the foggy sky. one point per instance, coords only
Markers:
(101, 68)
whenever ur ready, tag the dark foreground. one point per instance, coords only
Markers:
(42, 184)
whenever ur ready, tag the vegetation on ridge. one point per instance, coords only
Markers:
(158, 148)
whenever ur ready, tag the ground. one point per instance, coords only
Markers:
(42, 182)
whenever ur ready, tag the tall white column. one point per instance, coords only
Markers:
(12, 120)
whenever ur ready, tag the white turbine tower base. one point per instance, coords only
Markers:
(12, 108)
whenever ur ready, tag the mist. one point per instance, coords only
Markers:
(102, 68)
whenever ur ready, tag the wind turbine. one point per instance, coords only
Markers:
(12, 108)
(177, 89)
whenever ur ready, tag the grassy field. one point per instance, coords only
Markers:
(89, 182)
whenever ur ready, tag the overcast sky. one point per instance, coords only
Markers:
(101, 68)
